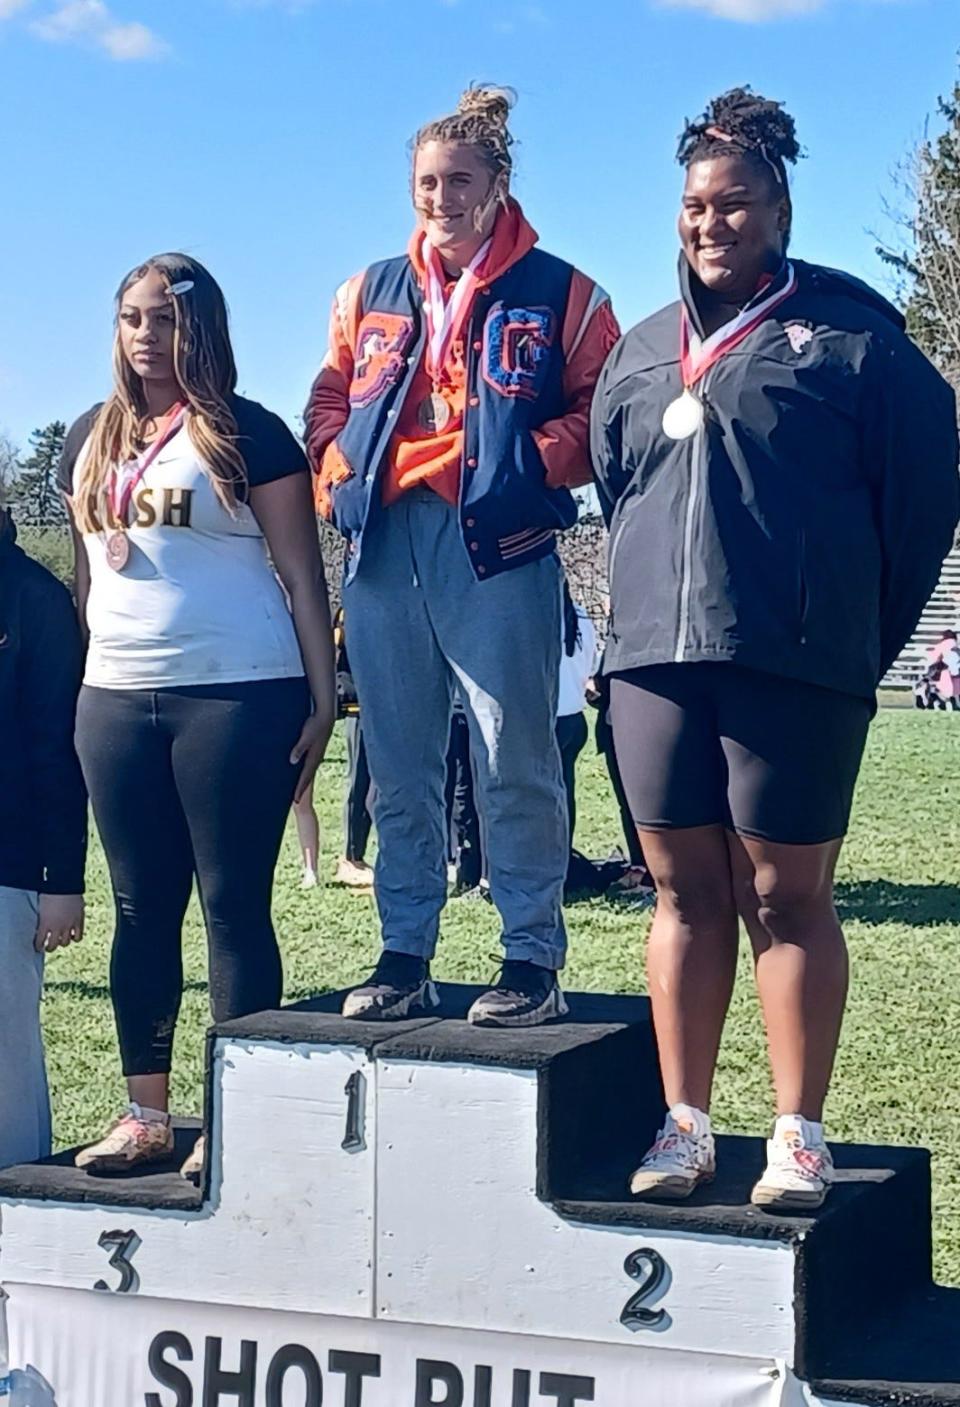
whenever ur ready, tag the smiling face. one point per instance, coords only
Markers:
(147, 324)
(455, 196)
(733, 222)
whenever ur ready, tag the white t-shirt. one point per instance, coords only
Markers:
(197, 601)
(577, 668)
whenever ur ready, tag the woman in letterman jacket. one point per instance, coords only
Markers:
(194, 728)
(447, 427)
(778, 466)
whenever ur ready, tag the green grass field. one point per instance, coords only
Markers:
(899, 892)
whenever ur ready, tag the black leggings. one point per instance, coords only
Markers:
(184, 782)
(571, 738)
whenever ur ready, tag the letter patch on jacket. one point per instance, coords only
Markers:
(516, 345)
(382, 341)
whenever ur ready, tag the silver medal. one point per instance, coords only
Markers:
(683, 417)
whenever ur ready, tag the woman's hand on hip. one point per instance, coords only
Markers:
(59, 921)
(311, 746)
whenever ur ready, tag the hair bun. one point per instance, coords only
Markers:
(744, 120)
(488, 101)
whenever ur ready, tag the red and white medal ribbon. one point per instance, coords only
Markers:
(684, 416)
(446, 316)
(125, 479)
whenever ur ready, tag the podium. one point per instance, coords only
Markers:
(427, 1214)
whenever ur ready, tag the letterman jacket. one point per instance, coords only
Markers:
(801, 528)
(533, 347)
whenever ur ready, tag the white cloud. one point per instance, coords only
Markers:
(749, 11)
(91, 22)
(10, 7)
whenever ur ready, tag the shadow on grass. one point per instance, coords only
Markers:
(879, 901)
(92, 990)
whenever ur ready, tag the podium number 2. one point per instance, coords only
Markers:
(649, 1269)
(124, 1245)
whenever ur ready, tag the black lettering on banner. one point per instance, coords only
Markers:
(429, 1372)
(355, 1367)
(146, 513)
(482, 1385)
(124, 1245)
(649, 1269)
(166, 1374)
(566, 1388)
(176, 507)
(356, 1091)
(521, 1388)
(294, 1355)
(217, 1383)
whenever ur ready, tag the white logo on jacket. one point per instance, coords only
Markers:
(798, 336)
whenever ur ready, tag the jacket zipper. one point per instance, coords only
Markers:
(686, 562)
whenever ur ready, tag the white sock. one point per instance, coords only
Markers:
(810, 1131)
(685, 1115)
(149, 1116)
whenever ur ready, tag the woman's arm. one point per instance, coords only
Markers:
(328, 405)
(81, 574)
(285, 513)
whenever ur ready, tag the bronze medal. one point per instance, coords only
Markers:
(433, 413)
(118, 550)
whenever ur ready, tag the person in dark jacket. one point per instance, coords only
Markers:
(43, 828)
(777, 464)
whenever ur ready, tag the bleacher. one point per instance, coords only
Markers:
(942, 613)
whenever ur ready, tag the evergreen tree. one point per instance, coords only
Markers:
(35, 493)
(928, 265)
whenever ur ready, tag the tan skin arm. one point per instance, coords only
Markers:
(284, 510)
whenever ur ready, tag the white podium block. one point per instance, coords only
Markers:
(430, 1215)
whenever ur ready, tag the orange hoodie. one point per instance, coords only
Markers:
(418, 456)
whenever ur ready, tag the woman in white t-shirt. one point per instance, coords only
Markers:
(194, 726)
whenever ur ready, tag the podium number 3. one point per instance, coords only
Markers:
(649, 1269)
(124, 1245)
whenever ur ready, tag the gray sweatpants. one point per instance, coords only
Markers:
(24, 1101)
(418, 624)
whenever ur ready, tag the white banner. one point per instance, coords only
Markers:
(75, 1348)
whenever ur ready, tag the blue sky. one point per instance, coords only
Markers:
(269, 139)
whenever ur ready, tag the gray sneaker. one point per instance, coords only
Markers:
(525, 994)
(399, 986)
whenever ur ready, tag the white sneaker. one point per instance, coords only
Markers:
(309, 880)
(680, 1160)
(355, 874)
(799, 1167)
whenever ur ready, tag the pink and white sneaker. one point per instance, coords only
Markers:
(799, 1168)
(132, 1141)
(680, 1160)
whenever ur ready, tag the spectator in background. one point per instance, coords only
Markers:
(463, 819)
(43, 828)
(578, 661)
(944, 669)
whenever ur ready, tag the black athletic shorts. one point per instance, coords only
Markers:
(717, 744)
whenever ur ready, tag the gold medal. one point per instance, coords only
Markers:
(433, 413)
(683, 417)
(118, 550)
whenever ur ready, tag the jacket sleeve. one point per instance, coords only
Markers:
(589, 332)
(606, 446)
(328, 405)
(912, 456)
(52, 659)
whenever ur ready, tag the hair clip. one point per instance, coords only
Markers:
(184, 286)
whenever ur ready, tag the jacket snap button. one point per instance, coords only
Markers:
(481, 569)
(474, 547)
(471, 464)
(478, 346)
(474, 400)
(471, 522)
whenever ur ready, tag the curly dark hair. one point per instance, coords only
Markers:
(745, 123)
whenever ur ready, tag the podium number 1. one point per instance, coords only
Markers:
(356, 1091)
(649, 1269)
